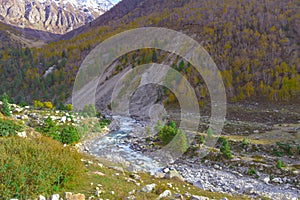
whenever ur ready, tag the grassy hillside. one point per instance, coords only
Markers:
(255, 44)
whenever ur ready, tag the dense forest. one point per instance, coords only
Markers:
(255, 44)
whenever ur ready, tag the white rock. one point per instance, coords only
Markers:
(148, 188)
(22, 134)
(277, 180)
(266, 179)
(165, 194)
(54, 197)
(63, 119)
(166, 170)
(195, 197)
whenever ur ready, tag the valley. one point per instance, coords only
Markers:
(152, 128)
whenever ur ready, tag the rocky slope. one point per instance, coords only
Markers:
(53, 16)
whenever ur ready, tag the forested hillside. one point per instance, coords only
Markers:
(255, 44)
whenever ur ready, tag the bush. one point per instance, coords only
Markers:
(251, 171)
(89, 110)
(69, 107)
(225, 149)
(50, 129)
(66, 134)
(179, 143)
(5, 107)
(38, 166)
(279, 164)
(167, 133)
(9, 128)
(48, 105)
(244, 143)
(69, 135)
(38, 104)
(209, 132)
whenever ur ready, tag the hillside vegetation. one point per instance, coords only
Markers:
(255, 44)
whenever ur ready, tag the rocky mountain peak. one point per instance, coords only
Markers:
(56, 16)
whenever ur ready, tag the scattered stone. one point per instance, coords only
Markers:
(135, 176)
(165, 194)
(41, 197)
(112, 192)
(266, 179)
(148, 188)
(166, 170)
(248, 189)
(159, 175)
(195, 197)
(22, 134)
(119, 169)
(99, 173)
(54, 197)
(174, 174)
(225, 198)
(131, 197)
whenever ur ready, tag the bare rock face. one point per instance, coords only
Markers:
(56, 16)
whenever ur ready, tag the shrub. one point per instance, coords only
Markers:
(251, 171)
(279, 164)
(167, 133)
(225, 149)
(209, 132)
(69, 107)
(48, 105)
(50, 129)
(8, 128)
(286, 147)
(29, 167)
(179, 143)
(5, 108)
(38, 104)
(89, 110)
(69, 135)
(65, 134)
(244, 143)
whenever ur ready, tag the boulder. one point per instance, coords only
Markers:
(165, 194)
(148, 188)
(54, 197)
(174, 174)
(159, 175)
(195, 197)
(41, 197)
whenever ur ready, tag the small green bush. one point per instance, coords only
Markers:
(244, 143)
(38, 104)
(209, 132)
(9, 128)
(89, 110)
(29, 167)
(69, 107)
(251, 171)
(65, 134)
(69, 135)
(225, 149)
(167, 133)
(5, 107)
(279, 164)
(48, 105)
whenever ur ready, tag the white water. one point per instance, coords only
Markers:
(114, 148)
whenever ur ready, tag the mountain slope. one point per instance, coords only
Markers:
(52, 15)
(255, 44)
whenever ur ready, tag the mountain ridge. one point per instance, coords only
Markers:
(53, 16)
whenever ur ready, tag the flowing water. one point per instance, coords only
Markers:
(114, 147)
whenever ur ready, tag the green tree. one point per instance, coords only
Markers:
(5, 108)
(225, 149)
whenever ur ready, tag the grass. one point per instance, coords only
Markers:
(29, 167)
